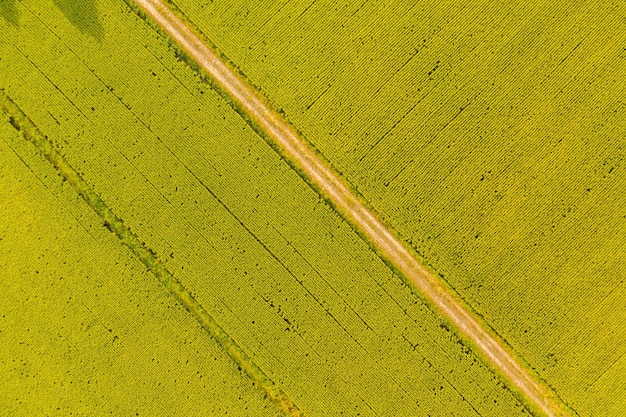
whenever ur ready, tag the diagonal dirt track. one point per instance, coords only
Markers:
(332, 187)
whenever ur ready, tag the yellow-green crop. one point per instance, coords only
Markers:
(488, 135)
(284, 276)
(85, 329)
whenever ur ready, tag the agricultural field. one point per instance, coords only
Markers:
(84, 328)
(489, 136)
(213, 207)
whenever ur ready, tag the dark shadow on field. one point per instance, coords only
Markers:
(83, 14)
(9, 11)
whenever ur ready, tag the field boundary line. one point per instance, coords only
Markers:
(331, 186)
(20, 121)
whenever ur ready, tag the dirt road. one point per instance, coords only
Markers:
(353, 209)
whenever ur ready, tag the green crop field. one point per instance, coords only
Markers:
(488, 135)
(287, 279)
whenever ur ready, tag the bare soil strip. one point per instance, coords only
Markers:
(332, 187)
